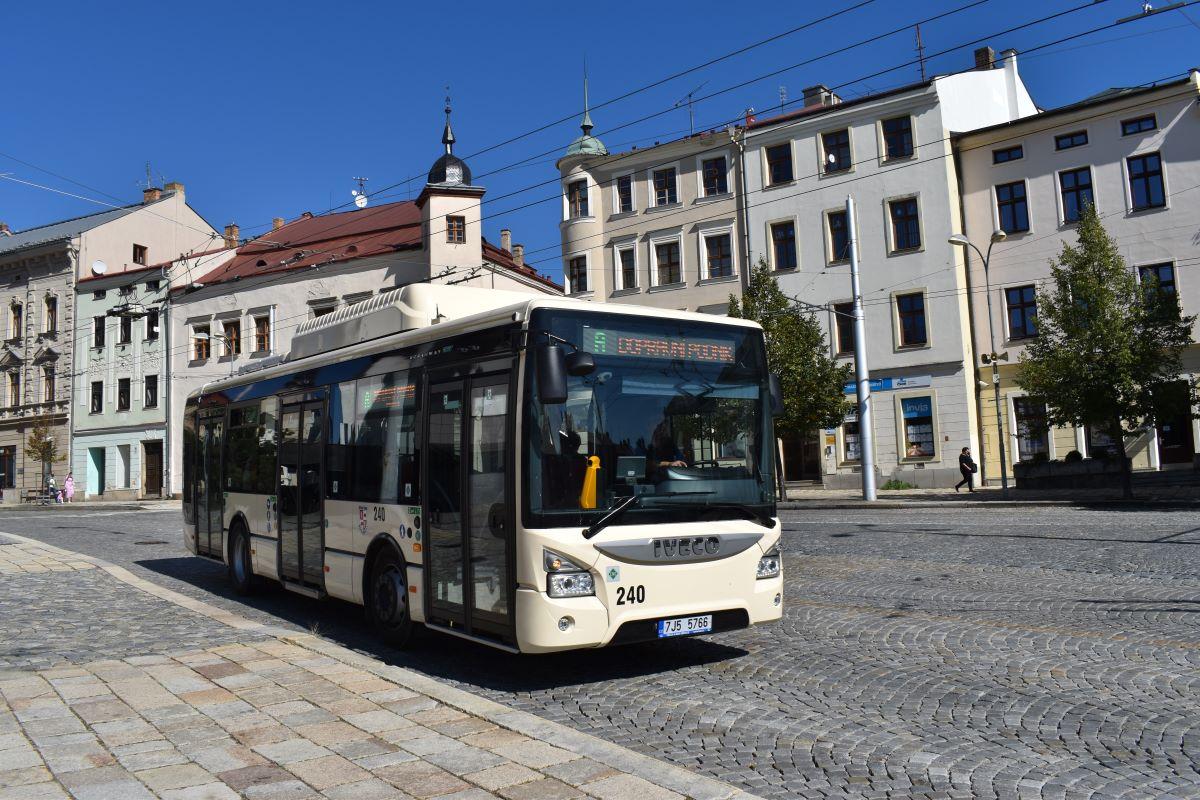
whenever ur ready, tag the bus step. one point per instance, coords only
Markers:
(300, 588)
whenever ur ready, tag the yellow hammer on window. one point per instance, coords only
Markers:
(587, 497)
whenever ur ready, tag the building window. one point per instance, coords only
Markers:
(98, 324)
(626, 267)
(851, 440)
(124, 330)
(919, 439)
(456, 230)
(665, 191)
(667, 265)
(716, 176)
(97, 406)
(1006, 154)
(262, 334)
(1012, 207)
(718, 253)
(577, 275)
(139, 254)
(1065, 141)
(123, 394)
(16, 321)
(839, 236)
(1032, 429)
(152, 286)
(14, 389)
(150, 395)
(1022, 312)
(906, 225)
(779, 164)
(624, 194)
(1076, 187)
(783, 244)
(99, 294)
(897, 137)
(1159, 290)
(1146, 182)
(843, 322)
(8, 467)
(910, 309)
(152, 325)
(1139, 125)
(577, 199)
(323, 310)
(51, 314)
(200, 343)
(233, 337)
(836, 145)
(48, 384)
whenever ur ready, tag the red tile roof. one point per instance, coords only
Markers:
(504, 259)
(153, 267)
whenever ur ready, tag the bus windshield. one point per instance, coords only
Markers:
(676, 412)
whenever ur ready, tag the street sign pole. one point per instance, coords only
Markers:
(862, 377)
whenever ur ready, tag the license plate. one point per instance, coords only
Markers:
(684, 626)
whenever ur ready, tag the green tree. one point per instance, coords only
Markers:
(41, 446)
(797, 351)
(1108, 351)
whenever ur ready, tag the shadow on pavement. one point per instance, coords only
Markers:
(869, 527)
(443, 656)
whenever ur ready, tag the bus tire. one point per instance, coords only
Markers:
(387, 598)
(241, 569)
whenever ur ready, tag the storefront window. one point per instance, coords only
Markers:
(918, 427)
(1033, 437)
(1100, 444)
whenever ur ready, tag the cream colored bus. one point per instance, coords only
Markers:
(532, 473)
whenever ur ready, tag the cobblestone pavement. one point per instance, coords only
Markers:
(1047, 652)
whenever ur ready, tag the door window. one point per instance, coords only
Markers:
(486, 480)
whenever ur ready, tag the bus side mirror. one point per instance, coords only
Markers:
(551, 374)
(580, 364)
(776, 396)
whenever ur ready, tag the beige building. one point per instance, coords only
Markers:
(654, 227)
(39, 270)
(1133, 153)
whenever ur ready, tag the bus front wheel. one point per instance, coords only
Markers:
(387, 604)
(241, 574)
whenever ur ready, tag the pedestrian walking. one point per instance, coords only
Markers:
(966, 465)
(51, 489)
(69, 487)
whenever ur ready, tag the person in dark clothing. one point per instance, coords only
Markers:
(966, 465)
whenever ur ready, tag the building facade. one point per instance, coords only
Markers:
(1135, 155)
(40, 269)
(892, 152)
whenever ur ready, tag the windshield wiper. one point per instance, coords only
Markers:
(749, 512)
(630, 502)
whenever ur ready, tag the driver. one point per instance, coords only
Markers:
(664, 451)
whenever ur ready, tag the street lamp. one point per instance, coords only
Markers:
(997, 236)
(205, 337)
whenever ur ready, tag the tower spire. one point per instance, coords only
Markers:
(586, 125)
(448, 133)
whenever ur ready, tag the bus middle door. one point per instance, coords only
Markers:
(301, 505)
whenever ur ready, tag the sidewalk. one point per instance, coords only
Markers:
(92, 505)
(100, 702)
(801, 497)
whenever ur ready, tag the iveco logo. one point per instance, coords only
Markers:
(686, 548)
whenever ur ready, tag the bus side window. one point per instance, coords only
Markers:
(189, 465)
(268, 447)
(385, 424)
(339, 468)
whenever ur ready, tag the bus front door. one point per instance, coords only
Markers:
(301, 504)
(210, 504)
(468, 537)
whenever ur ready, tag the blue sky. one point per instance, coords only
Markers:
(267, 109)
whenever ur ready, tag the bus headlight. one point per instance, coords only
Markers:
(566, 578)
(768, 565)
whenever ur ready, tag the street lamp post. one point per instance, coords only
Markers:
(997, 236)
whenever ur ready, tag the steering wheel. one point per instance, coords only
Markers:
(706, 463)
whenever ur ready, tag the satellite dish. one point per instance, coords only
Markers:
(99, 267)
(360, 200)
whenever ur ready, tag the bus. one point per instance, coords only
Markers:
(533, 473)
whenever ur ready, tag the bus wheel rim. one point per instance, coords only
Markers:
(390, 596)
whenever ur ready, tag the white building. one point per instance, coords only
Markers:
(892, 152)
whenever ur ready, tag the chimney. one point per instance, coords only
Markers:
(231, 235)
(150, 194)
(1011, 82)
(820, 95)
(506, 240)
(4, 229)
(518, 254)
(277, 223)
(985, 58)
(174, 187)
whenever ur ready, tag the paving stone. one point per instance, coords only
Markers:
(543, 789)
(208, 791)
(33, 791)
(327, 771)
(176, 776)
(421, 780)
(535, 754)
(291, 750)
(506, 774)
(370, 789)
(619, 787)
(284, 790)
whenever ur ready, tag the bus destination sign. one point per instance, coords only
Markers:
(610, 342)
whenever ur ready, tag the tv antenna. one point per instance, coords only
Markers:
(921, 54)
(782, 97)
(691, 104)
(360, 194)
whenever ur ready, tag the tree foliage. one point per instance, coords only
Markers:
(1108, 351)
(41, 446)
(798, 352)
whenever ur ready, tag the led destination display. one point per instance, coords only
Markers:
(612, 342)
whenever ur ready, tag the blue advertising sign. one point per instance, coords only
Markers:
(891, 384)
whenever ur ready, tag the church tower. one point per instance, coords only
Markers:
(450, 210)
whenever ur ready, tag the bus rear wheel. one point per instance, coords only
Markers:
(241, 573)
(387, 600)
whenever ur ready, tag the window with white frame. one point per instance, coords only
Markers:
(625, 266)
(623, 196)
(50, 314)
(714, 175)
(779, 164)
(839, 236)
(717, 248)
(577, 199)
(262, 333)
(668, 261)
(897, 137)
(783, 244)
(16, 320)
(48, 384)
(14, 388)
(200, 342)
(666, 190)
(835, 151)
(919, 435)
(577, 277)
(906, 224)
(1031, 428)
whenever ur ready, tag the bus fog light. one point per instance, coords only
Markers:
(778, 598)
(768, 565)
(565, 624)
(570, 584)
